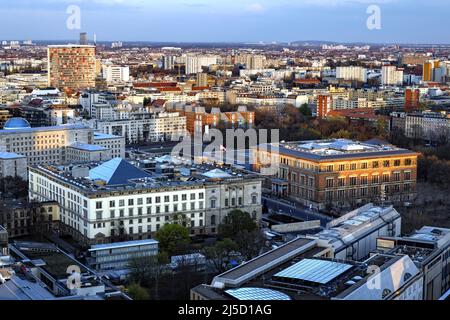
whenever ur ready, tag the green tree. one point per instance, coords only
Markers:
(136, 292)
(235, 222)
(305, 110)
(173, 239)
(220, 254)
(250, 243)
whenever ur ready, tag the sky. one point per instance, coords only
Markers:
(401, 21)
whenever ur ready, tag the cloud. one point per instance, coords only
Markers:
(255, 8)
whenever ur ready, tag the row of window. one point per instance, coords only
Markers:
(149, 200)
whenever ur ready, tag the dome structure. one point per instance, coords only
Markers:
(16, 124)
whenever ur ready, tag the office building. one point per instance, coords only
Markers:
(146, 127)
(113, 256)
(83, 152)
(44, 145)
(83, 39)
(13, 165)
(4, 251)
(429, 248)
(353, 236)
(339, 172)
(71, 66)
(115, 144)
(103, 203)
(116, 74)
(23, 218)
(299, 271)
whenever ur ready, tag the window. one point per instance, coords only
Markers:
(98, 205)
(192, 196)
(112, 203)
(130, 202)
(213, 203)
(201, 195)
(341, 182)
(183, 197)
(226, 202)
(375, 179)
(353, 166)
(140, 201)
(121, 203)
(396, 163)
(408, 162)
(364, 180)
(353, 181)
(175, 198)
(99, 215)
(213, 220)
(407, 175)
(375, 164)
(149, 200)
(166, 199)
(233, 202)
(386, 177)
(254, 199)
(240, 201)
(364, 165)
(342, 167)
(330, 182)
(130, 212)
(396, 176)
(158, 199)
(386, 163)
(112, 213)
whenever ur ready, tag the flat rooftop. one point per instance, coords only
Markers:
(121, 175)
(293, 248)
(335, 149)
(126, 244)
(20, 289)
(44, 129)
(87, 147)
(10, 156)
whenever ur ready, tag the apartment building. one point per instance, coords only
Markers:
(71, 66)
(340, 172)
(199, 121)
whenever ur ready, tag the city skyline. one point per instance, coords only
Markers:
(249, 21)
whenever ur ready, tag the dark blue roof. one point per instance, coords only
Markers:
(117, 172)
